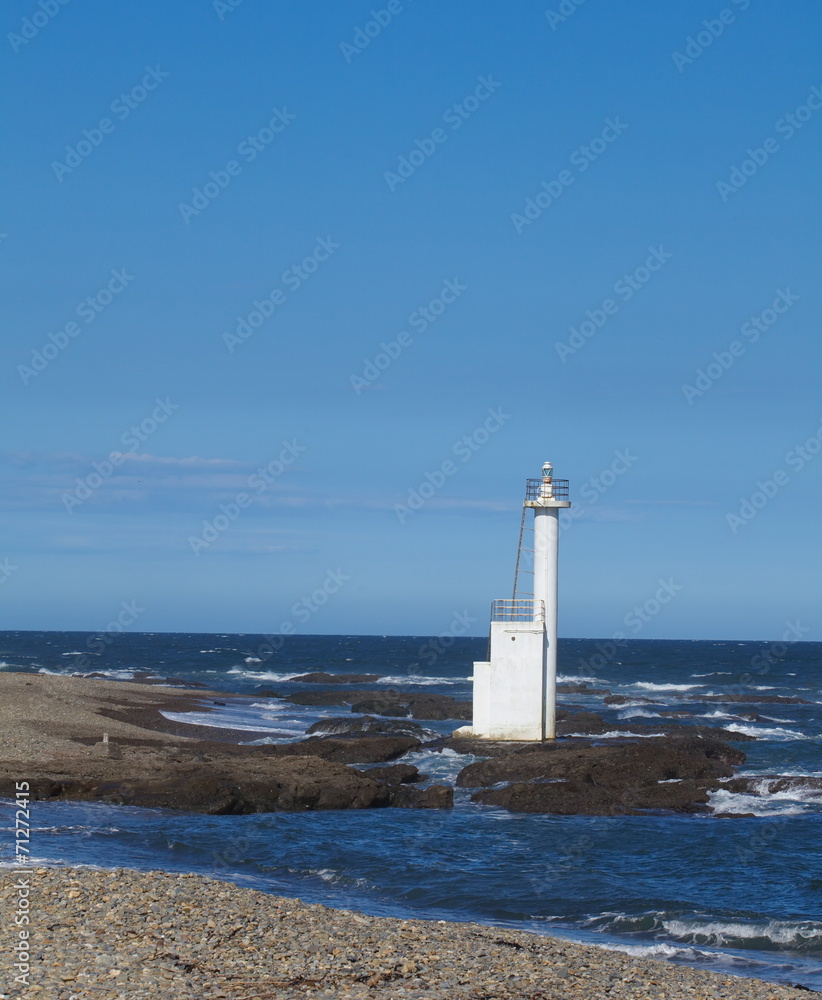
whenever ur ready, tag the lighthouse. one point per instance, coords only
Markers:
(515, 688)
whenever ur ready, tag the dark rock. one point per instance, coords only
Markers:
(365, 724)
(705, 732)
(389, 702)
(417, 706)
(475, 747)
(433, 797)
(617, 765)
(580, 689)
(231, 785)
(581, 722)
(335, 697)
(383, 707)
(423, 706)
(591, 724)
(620, 699)
(394, 774)
(618, 779)
(368, 748)
(267, 693)
(320, 677)
(575, 798)
(770, 784)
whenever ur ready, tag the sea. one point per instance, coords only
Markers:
(739, 893)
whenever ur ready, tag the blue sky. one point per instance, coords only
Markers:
(483, 234)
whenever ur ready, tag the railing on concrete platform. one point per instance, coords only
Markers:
(546, 489)
(523, 609)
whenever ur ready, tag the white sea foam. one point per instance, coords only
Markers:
(415, 680)
(723, 801)
(616, 734)
(335, 877)
(114, 675)
(731, 933)
(796, 794)
(285, 734)
(74, 652)
(650, 686)
(442, 765)
(636, 704)
(262, 675)
(715, 673)
(782, 774)
(213, 719)
(637, 713)
(654, 951)
(762, 732)
(326, 874)
(579, 679)
(82, 831)
(420, 680)
(708, 932)
(253, 659)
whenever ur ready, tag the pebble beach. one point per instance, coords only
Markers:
(147, 881)
(117, 934)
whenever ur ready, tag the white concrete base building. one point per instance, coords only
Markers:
(515, 688)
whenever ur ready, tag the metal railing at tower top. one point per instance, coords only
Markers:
(546, 489)
(521, 609)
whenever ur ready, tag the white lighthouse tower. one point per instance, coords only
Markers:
(515, 688)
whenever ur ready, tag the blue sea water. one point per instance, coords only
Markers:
(739, 895)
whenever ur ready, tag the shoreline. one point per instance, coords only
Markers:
(62, 716)
(93, 739)
(58, 720)
(122, 933)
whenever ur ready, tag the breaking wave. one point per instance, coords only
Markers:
(650, 686)
(762, 732)
(743, 803)
(709, 931)
(420, 680)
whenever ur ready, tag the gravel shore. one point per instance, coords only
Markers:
(125, 934)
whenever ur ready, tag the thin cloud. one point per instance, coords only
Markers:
(677, 503)
(140, 481)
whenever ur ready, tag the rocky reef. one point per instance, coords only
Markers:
(353, 761)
